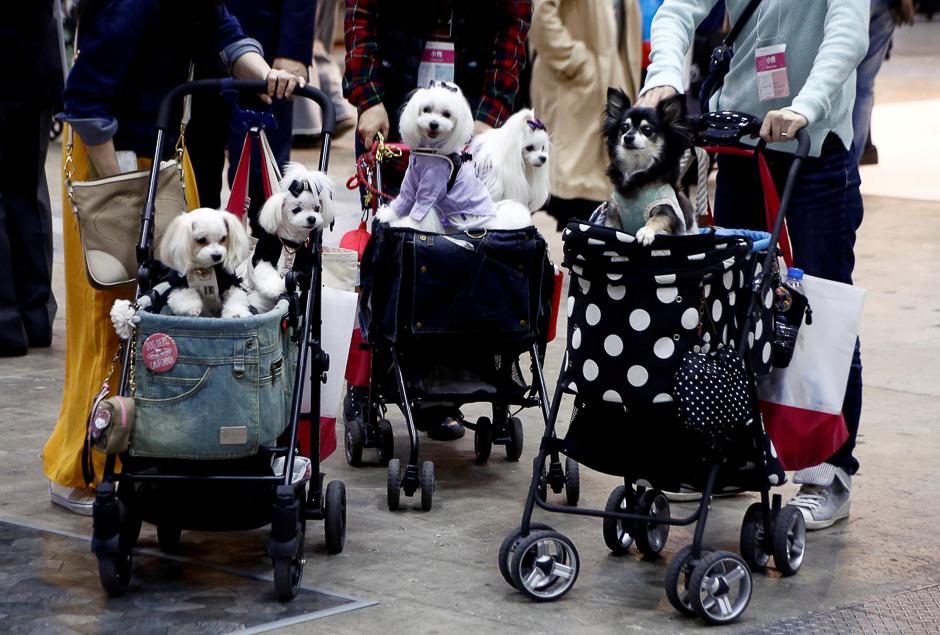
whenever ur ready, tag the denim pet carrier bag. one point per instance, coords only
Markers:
(228, 392)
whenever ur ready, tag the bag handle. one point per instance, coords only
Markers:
(749, 10)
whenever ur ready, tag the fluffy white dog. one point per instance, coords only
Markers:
(204, 247)
(438, 188)
(512, 160)
(304, 204)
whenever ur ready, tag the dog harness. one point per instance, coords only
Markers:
(456, 159)
(636, 211)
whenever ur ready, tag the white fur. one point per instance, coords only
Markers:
(291, 218)
(201, 239)
(124, 318)
(512, 161)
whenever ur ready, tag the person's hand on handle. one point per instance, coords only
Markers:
(281, 83)
(652, 97)
(371, 122)
(781, 125)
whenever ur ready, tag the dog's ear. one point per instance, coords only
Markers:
(672, 109)
(269, 218)
(324, 184)
(617, 103)
(176, 245)
(238, 246)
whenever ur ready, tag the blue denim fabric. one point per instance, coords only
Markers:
(825, 213)
(880, 29)
(229, 373)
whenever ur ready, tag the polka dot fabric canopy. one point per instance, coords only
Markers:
(634, 311)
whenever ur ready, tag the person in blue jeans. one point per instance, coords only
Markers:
(824, 41)
(885, 15)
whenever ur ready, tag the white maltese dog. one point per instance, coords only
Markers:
(304, 204)
(512, 160)
(438, 189)
(205, 246)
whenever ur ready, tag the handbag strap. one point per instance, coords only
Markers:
(739, 25)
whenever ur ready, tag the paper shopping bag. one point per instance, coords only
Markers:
(802, 404)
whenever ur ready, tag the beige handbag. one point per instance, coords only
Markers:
(108, 213)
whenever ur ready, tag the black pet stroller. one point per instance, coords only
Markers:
(447, 318)
(634, 313)
(214, 440)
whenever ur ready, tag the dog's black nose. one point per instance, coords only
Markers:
(628, 139)
(216, 257)
(542, 159)
(433, 125)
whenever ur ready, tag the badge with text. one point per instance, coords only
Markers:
(437, 63)
(772, 72)
(159, 352)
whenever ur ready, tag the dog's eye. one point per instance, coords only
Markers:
(647, 130)
(446, 114)
(222, 240)
(201, 241)
(427, 109)
(624, 127)
(316, 208)
(529, 148)
(296, 210)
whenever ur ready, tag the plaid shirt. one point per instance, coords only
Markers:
(501, 79)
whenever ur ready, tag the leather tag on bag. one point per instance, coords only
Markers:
(160, 352)
(233, 435)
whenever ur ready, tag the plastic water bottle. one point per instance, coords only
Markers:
(791, 304)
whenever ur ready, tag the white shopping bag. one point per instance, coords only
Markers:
(802, 404)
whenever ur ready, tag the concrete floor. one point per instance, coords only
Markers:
(436, 572)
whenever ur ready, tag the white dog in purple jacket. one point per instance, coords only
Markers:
(440, 188)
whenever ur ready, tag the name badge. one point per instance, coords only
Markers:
(772, 72)
(437, 63)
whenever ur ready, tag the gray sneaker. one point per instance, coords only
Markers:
(825, 495)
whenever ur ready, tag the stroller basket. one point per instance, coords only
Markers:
(633, 312)
(228, 392)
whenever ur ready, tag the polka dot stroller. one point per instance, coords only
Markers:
(637, 316)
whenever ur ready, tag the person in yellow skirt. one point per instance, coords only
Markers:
(129, 54)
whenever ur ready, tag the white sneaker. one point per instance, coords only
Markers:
(77, 500)
(825, 496)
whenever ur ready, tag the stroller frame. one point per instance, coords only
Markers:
(375, 431)
(117, 522)
(543, 563)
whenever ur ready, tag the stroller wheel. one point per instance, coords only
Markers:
(168, 535)
(483, 439)
(572, 481)
(650, 536)
(789, 540)
(394, 484)
(386, 449)
(618, 534)
(289, 570)
(752, 538)
(353, 443)
(508, 548)
(544, 565)
(335, 516)
(427, 485)
(720, 587)
(514, 447)
(677, 578)
(543, 479)
(114, 569)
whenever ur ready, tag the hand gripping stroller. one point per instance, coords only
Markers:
(214, 443)
(619, 428)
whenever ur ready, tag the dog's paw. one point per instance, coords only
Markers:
(185, 303)
(235, 304)
(645, 236)
(124, 318)
(386, 214)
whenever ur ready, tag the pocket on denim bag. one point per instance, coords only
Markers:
(498, 287)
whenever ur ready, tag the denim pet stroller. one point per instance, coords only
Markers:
(214, 440)
(446, 318)
(633, 314)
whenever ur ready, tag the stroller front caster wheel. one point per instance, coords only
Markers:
(114, 570)
(353, 443)
(394, 484)
(572, 481)
(720, 587)
(678, 574)
(618, 534)
(386, 449)
(427, 485)
(508, 548)
(789, 540)
(514, 447)
(289, 570)
(483, 439)
(752, 538)
(651, 536)
(334, 514)
(544, 565)
(169, 537)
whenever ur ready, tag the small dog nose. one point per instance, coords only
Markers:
(542, 159)
(433, 125)
(628, 138)
(216, 257)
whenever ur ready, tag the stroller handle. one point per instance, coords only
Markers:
(726, 127)
(243, 86)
